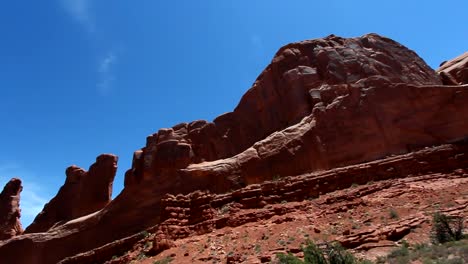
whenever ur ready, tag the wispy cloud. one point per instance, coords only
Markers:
(80, 11)
(33, 197)
(32, 201)
(106, 63)
(256, 42)
(105, 71)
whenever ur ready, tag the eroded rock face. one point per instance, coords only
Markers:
(320, 104)
(195, 213)
(84, 192)
(359, 124)
(455, 71)
(204, 213)
(283, 94)
(10, 211)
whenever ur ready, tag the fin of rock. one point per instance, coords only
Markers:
(84, 192)
(10, 211)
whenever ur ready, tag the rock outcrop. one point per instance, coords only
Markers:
(455, 71)
(84, 192)
(10, 211)
(319, 105)
(201, 213)
(194, 214)
(300, 76)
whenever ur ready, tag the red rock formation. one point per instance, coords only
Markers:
(455, 71)
(83, 193)
(194, 214)
(283, 94)
(10, 211)
(320, 104)
(200, 213)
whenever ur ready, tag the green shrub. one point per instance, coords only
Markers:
(288, 259)
(446, 228)
(447, 253)
(393, 214)
(165, 260)
(333, 254)
(144, 234)
(338, 255)
(399, 255)
(257, 248)
(276, 177)
(225, 209)
(141, 256)
(313, 254)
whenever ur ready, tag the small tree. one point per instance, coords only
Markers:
(313, 254)
(338, 255)
(333, 254)
(288, 259)
(446, 228)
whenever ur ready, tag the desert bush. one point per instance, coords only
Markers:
(165, 260)
(313, 254)
(446, 228)
(276, 177)
(144, 234)
(333, 254)
(393, 214)
(225, 209)
(399, 255)
(338, 255)
(288, 259)
(454, 252)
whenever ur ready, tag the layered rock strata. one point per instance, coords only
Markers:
(197, 213)
(301, 76)
(200, 213)
(455, 71)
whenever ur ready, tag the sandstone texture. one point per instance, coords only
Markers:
(84, 192)
(10, 211)
(321, 107)
(349, 204)
(455, 71)
(323, 74)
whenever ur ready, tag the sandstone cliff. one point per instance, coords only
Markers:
(300, 76)
(288, 200)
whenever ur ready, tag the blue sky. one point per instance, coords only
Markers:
(79, 78)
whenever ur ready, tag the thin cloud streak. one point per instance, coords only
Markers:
(79, 10)
(106, 63)
(32, 202)
(105, 71)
